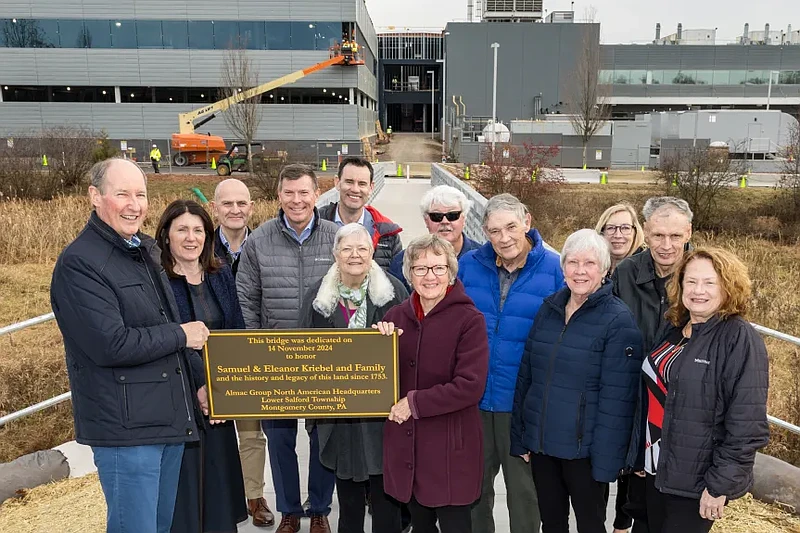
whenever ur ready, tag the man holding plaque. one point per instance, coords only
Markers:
(283, 259)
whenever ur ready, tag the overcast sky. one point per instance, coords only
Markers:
(622, 21)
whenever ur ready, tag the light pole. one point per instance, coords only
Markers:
(769, 89)
(433, 102)
(495, 46)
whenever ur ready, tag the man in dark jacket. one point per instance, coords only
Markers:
(282, 260)
(444, 210)
(133, 383)
(640, 281)
(354, 181)
(232, 207)
(508, 278)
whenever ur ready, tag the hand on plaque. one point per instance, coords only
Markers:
(387, 328)
(400, 412)
(202, 399)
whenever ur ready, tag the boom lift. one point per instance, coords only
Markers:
(191, 148)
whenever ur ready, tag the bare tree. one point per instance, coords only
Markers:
(702, 177)
(238, 74)
(588, 98)
(790, 169)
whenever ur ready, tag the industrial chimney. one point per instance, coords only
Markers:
(680, 31)
(746, 35)
(766, 33)
(658, 31)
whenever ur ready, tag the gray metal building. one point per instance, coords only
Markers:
(130, 68)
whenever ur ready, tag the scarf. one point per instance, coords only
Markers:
(359, 298)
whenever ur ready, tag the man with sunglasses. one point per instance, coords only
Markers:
(508, 278)
(354, 181)
(444, 210)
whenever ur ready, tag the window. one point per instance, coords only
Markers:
(279, 36)
(201, 35)
(123, 34)
(722, 77)
(606, 77)
(251, 35)
(789, 77)
(175, 34)
(148, 34)
(685, 77)
(303, 35)
(28, 33)
(737, 77)
(326, 33)
(622, 77)
(71, 33)
(98, 34)
(757, 77)
(139, 95)
(638, 77)
(226, 34)
(705, 77)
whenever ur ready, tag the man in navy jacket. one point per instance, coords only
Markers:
(508, 278)
(132, 383)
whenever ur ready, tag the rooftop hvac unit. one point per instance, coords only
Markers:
(513, 10)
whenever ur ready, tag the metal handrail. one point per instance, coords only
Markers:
(67, 395)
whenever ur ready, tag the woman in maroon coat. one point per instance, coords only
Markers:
(433, 443)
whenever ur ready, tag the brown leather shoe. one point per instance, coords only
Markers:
(319, 524)
(262, 516)
(289, 524)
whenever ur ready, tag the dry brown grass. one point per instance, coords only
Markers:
(77, 506)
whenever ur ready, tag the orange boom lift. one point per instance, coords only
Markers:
(190, 148)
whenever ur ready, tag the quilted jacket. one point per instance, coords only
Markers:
(578, 383)
(508, 329)
(275, 271)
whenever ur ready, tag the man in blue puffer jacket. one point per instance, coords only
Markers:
(508, 278)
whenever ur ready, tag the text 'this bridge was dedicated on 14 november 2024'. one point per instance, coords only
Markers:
(301, 373)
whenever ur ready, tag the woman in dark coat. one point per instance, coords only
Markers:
(576, 390)
(433, 441)
(706, 397)
(211, 489)
(355, 293)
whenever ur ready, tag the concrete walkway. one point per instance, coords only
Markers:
(399, 200)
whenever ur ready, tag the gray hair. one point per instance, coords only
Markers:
(354, 228)
(445, 195)
(587, 240)
(99, 172)
(505, 202)
(430, 242)
(666, 202)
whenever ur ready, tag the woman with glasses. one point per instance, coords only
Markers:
(355, 293)
(620, 227)
(432, 448)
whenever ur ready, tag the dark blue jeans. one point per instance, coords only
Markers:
(140, 484)
(281, 443)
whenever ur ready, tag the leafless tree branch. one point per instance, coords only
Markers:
(239, 73)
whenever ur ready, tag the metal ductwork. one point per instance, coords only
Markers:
(658, 31)
(766, 33)
(680, 31)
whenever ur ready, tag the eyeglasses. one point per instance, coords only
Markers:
(452, 216)
(350, 252)
(625, 229)
(422, 271)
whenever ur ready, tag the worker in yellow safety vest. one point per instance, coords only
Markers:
(354, 46)
(155, 158)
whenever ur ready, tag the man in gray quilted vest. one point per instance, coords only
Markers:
(280, 261)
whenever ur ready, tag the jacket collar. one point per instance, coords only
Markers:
(282, 224)
(380, 290)
(455, 296)
(148, 245)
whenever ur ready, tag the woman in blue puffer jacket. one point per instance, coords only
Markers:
(576, 390)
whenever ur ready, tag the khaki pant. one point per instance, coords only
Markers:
(523, 506)
(253, 454)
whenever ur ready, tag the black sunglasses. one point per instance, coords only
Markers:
(452, 216)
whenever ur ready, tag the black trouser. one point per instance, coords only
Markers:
(385, 510)
(621, 518)
(636, 506)
(667, 513)
(452, 518)
(155, 166)
(560, 480)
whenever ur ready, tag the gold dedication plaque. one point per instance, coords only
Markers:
(301, 373)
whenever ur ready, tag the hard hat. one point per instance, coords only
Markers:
(154, 146)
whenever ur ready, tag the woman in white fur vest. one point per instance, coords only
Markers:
(355, 293)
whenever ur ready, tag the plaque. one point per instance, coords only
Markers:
(313, 373)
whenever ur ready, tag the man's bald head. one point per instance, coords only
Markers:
(100, 171)
(230, 186)
(232, 204)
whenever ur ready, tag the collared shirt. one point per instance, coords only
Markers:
(366, 220)
(133, 242)
(305, 234)
(224, 240)
(507, 278)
